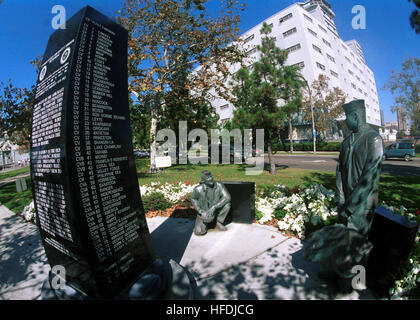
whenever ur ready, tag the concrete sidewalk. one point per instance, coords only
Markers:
(244, 262)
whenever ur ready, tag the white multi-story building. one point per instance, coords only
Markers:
(307, 30)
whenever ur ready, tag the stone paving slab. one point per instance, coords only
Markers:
(23, 263)
(205, 256)
(249, 261)
(245, 262)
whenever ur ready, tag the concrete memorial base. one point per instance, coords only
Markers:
(392, 236)
(163, 280)
(242, 203)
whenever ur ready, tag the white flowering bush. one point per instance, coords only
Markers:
(409, 285)
(29, 212)
(296, 209)
(171, 192)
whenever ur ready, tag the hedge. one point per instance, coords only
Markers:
(309, 146)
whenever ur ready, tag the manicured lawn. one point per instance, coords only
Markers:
(191, 173)
(394, 190)
(13, 200)
(13, 173)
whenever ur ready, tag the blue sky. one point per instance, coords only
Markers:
(25, 26)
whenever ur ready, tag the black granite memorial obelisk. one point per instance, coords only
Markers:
(86, 192)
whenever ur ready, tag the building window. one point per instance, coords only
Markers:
(353, 85)
(307, 18)
(321, 66)
(348, 59)
(270, 25)
(323, 29)
(326, 42)
(294, 48)
(335, 74)
(351, 72)
(312, 33)
(317, 49)
(253, 50)
(225, 106)
(344, 47)
(357, 78)
(360, 90)
(299, 64)
(289, 32)
(331, 58)
(249, 38)
(286, 17)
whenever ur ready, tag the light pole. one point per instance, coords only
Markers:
(312, 113)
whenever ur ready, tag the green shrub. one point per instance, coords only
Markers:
(309, 146)
(155, 201)
(279, 213)
(417, 146)
(258, 214)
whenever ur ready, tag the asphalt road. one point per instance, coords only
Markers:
(329, 163)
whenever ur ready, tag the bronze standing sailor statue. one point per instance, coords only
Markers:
(344, 245)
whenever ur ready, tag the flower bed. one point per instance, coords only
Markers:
(408, 287)
(296, 211)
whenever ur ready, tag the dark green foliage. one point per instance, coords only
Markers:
(258, 214)
(308, 146)
(279, 213)
(155, 201)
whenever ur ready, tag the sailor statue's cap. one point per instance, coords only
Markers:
(354, 105)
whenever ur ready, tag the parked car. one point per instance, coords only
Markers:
(238, 154)
(141, 154)
(405, 150)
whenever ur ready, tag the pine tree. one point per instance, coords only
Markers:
(264, 95)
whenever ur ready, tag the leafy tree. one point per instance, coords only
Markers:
(327, 105)
(168, 40)
(140, 124)
(406, 86)
(415, 123)
(415, 16)
(258, 94)
(16, 112)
